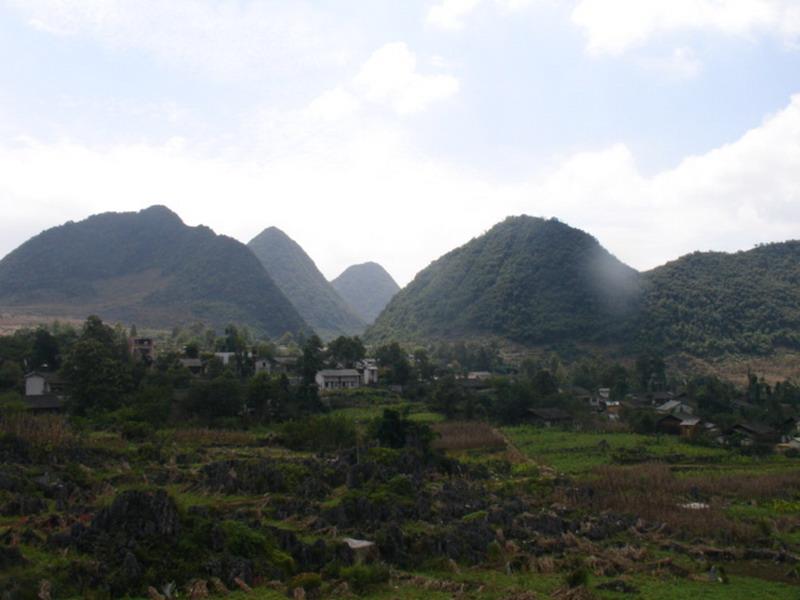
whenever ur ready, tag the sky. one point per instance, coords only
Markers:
(395, 131)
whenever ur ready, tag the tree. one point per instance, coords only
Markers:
(513, 401)
(312, 360)
(192, 349)
(422, 365)
(97, 379)
(45, 350)
(11, 375)
(346, 351)
(651, 372)
(268, 397)
(616, 378)
(216, 399)
(448, 397)
(97, 370)
(394, 359)
(395, 430)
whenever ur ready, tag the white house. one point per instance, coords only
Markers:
(44, 392)
(41, 384)
(225, 357)
(368, 369)
(338, 379)
(263, 365)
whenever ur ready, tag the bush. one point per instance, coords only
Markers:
(241, 540)
(321, 434)
(310, 582)
(136, 431)
(578, 577)
(362, 577)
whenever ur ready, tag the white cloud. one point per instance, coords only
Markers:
(452, 14)
(730, 198)
(227, 40)
(351, 189)
(682, 63)
(390, 77)
(614, 26)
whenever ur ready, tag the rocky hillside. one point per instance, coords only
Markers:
(367, 288)
(147, 268)
(305, 286)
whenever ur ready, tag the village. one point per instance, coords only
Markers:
(569, 407)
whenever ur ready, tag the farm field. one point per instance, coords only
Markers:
(515, 512)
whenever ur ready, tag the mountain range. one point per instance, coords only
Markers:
(534, 281)
(306, 287)
(530, 281)
(147, 268)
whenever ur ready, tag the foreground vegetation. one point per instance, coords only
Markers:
(159, 483)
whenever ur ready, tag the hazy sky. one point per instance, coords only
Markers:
(395, 131)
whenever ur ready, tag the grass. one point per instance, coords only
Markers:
(364, 414)
(578, 453)
(491, 585)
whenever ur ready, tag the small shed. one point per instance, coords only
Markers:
(691, 427)
(550, 417)
(669, 424)
(754, 433)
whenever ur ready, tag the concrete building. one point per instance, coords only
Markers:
(338, 379)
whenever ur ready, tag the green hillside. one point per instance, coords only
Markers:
(305, 286)
(715, 303)
(367, 289)
(529, 280)
(148, 268)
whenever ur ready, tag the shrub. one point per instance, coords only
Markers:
(136, 431)
(363, 577)
(241, 540)
(310, 582)
(320, 433)
(578, 577)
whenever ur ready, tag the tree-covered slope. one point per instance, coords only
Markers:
(367, 289)
(714, 303)
(529, 280)
(148, 268)
(305, 286)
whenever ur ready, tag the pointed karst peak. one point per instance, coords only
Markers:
(367, 288)
(527, 279)
(302, 282)
(272, 232)
(161, 213)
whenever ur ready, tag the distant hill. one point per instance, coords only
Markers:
(528, 280)
(305, 286)
(714, 303)
(147, 268)
(367, 288)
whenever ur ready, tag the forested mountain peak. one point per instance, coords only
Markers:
(303, 283)
(710, 303)
(148, 267)
(528, 279)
